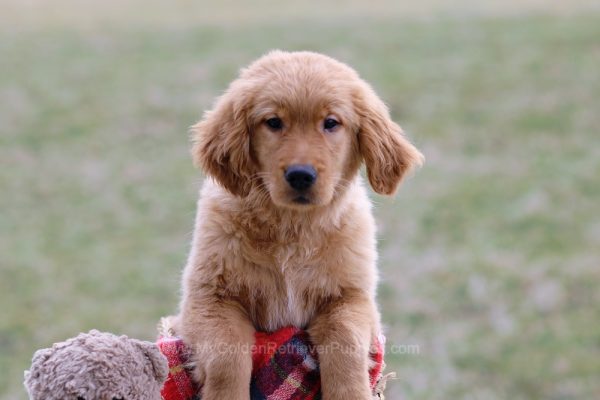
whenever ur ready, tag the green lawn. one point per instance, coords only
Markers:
(490, 254)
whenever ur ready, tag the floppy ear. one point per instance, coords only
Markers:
(221, 141)
(388, 155)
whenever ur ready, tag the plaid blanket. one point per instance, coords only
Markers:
(285, 367)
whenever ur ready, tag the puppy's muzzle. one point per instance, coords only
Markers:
(300, 177)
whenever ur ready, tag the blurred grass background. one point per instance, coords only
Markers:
(490, 253)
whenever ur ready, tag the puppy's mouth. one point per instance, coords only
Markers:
(302, 199)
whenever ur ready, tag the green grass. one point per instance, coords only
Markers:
(490, 254)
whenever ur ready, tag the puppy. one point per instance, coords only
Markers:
(284, 233)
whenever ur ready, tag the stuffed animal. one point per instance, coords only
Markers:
(97, 366)
(103, 366)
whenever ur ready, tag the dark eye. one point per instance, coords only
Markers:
(330, 124)
(275, 124)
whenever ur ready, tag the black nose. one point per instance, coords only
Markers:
(300, 177)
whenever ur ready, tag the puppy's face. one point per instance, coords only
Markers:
(303, 139)
(295, 127)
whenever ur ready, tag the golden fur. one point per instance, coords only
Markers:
(262, 261)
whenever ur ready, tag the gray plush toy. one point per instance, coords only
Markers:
(97, 366)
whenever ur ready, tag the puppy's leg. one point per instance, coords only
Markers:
(342, 334)
(221, 337)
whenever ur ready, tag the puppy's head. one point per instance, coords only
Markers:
(296, 126)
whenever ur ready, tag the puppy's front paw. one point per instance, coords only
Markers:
(225, 378)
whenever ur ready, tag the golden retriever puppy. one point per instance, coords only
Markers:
(284, 233)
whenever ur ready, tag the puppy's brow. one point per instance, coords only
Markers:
(263, 113)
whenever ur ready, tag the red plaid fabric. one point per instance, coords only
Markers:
(285, 367)
(179, 384)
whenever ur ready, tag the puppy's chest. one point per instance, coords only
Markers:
(293, 254)
(288, 286)
(287, 279)
(290, 297)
